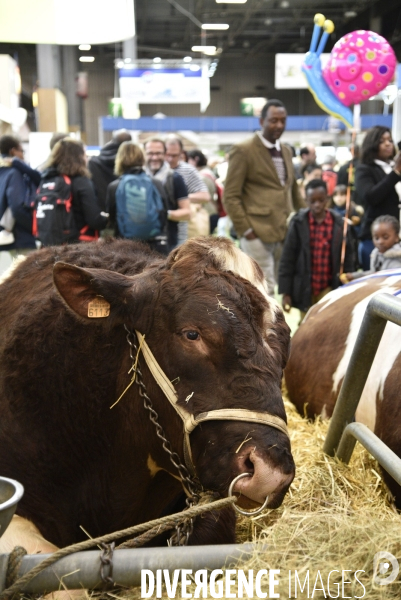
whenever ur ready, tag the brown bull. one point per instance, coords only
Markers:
(214, 332)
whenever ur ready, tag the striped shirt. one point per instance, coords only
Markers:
(278, 161)
(191, 177)
(194, 184)
(277, 157)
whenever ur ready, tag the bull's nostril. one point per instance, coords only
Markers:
(249, 466)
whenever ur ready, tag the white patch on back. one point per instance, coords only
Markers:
(388, 350)
(349, 289)
(16, 262)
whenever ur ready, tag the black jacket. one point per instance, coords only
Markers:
(376, 193)
(294, 275)
(17, 190)
(102, 171)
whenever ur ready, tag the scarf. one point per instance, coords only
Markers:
(162, 173)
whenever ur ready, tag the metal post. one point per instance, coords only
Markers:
(381, 308)
(381, 452)
(82, 569)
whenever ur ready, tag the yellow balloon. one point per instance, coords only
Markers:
(329, 26)
(319, 19)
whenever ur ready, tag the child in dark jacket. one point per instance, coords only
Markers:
(310, 262)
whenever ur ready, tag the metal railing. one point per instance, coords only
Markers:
(82, 569)
(343, 432)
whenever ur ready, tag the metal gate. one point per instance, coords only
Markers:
(343, 432)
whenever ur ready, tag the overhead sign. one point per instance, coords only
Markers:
(288, 73)
(59, 22)
(252, 107)
(166, 85)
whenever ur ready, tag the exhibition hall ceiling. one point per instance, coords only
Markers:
(168, 28)
(257, 29)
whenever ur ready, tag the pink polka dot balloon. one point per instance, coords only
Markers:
(361, 64)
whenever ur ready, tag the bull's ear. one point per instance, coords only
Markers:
(101, 295)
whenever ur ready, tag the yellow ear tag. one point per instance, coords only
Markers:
(98, 308)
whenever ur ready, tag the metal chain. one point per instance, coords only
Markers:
(183, 531)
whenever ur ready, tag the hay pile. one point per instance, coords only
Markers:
(335, 517)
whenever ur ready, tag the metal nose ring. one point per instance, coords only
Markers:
(247, 513)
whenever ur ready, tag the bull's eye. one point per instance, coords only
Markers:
(192, 335)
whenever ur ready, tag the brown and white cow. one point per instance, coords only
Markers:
(321, 350)
(215, 333)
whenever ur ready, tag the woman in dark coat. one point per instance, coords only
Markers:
(378, 184)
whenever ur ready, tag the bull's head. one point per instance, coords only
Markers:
(214, 331)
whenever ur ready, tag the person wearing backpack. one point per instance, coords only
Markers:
(134, 201)
(66, 209)
(174, 190)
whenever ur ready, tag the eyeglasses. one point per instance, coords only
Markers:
(154, 153)
(173, 155)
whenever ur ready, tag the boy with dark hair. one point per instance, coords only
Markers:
(310, 262)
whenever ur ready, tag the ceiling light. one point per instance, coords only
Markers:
(86, 58)
(285, 4)
(204, 49)
(349, 14)
(84, 47)
(221, 26)
(194, 68)
(157, 59)
(268, 21)
(187, 59)
(230, 1)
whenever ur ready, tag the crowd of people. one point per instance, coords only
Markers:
(285, 211)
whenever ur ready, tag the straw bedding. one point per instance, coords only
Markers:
(335, 517)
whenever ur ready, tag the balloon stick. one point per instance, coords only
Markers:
(348, 201)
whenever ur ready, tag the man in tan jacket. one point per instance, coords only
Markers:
(261, 191)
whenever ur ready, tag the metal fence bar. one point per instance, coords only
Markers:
(82, 569)
(381, 308)
(381, 452)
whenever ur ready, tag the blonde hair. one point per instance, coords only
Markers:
(68, 157)
(128, 155)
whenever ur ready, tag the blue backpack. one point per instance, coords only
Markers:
(140, 209)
